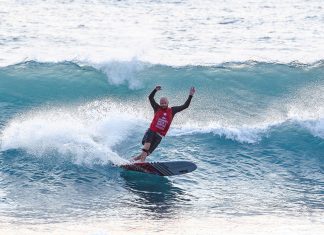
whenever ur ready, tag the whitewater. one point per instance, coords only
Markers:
(74, 83)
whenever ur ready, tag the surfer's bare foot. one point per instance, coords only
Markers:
(140, 158)
(134, 160)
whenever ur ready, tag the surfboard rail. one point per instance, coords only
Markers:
(169, 168)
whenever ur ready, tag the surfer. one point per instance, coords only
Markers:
(163, 116)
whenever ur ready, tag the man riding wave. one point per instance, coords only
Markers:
(163, 116)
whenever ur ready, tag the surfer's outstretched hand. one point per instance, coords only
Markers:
(158, 88)
(192, 91)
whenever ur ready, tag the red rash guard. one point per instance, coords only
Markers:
(162, 121)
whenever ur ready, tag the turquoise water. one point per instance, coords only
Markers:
(74, 81)
(255, 131)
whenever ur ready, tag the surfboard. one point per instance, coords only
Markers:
(162, 168)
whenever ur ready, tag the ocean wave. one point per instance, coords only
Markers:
(89, 134)
(240, 101)
(70, 133)
(136, 74)
(123, 72)
(245, 134)
(252, 134)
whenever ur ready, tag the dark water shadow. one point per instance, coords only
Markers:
(155, 196)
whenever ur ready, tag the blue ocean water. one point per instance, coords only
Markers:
(74, 81)
(255, 131)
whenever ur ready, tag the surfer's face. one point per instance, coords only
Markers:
(164, 103)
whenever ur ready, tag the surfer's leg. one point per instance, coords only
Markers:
(150, 141)
(146, 141)
(155, 142)
(145, 152)
(150, 147)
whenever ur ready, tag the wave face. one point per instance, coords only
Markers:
(255, 130)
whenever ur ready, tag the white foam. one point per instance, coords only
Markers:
(239, 225)
(304, 108)
(252, 133)
(122, 72)
(307, 109)
(86, 134)
(244, 134)
(315, 127)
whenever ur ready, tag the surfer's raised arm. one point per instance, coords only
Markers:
(154, 105)
(177, 109)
